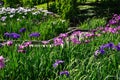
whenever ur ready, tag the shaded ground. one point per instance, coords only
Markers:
(96, 9)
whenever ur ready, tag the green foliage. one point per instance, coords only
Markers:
(12, 3)
(37, 63)
(92, 23)
(46, 25)
(66, 8)
(28, 3)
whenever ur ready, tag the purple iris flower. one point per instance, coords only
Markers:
(12, 35)
(34, 35)
(57, 62)
(118, 47)
(7, 34)
(22, 30)
(102, 51)
(64, 72)
(111, 45)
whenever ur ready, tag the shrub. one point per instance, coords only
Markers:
(66, 8)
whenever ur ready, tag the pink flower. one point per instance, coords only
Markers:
(89, 35)
(21, 47)
(9, 43)
(63, 35)
(58, 41)
(75, 41)
(45, 42)
(118, 28)
(96, 53)
(2, 64)
(21, 51)
(26, 44)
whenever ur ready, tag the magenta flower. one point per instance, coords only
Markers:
(58, 41)
(75, 41)
(21, 47)
(45, 42)
(57, 62)
(63, 35)
(2, 64)
(76, 33)
(112, 22)
(118, 28)
(26, 44)
(9, 43)
(89, 34)
(64, 73)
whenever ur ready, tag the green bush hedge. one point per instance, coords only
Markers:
(66, 8)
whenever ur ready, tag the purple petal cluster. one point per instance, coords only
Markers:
(64, 73)
(115, 19)
(58, 41)
(2, 62)
(45, 42)
(3, 18)
(110, 45)
(63, 35)
(34, 34)
(9, 43)
(118, 47)
(24, 45)
(57, 62)
(22, 30)
(12, 35)
(75, 41)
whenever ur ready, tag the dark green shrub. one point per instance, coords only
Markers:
(66, 8)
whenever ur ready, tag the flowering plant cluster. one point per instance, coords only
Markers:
(21, 11)
(110, 45)
(58, 62)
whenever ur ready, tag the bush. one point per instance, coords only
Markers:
(66, 8)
